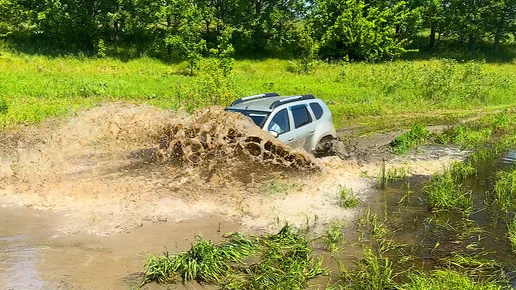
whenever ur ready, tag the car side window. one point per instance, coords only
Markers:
(301, 116)
(317, 109)
(280, 122)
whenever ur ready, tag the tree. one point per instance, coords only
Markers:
(503, 21)
(352, 29)
(184, 36)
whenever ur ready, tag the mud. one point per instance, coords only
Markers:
(108, 176)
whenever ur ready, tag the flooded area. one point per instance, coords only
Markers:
(35, 255)
(84, 200)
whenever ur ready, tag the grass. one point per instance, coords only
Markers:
(204, 262)
(417, 135)
(284, 261)
(37, 87)
(348, 198)
(333, 237)
(446, 279)
(445, 191)
(392, 175)
(511, 235)
(505, 190)
(373, 271)
(371, 224)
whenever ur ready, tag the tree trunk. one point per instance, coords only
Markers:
(471, 43)
(115, 28)
(432, 37)
(438, 41)
(498, 34)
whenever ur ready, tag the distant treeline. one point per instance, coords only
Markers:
(328, 29)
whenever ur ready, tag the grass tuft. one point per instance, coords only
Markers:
(445, 191)
(417, 135)
(512, 234)
(333, 237)
(4, 106)
(348, 198)
(446, 279)
(286, 261)
(373, 272)
(505, 190)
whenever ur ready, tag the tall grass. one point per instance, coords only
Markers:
(505, 190)
(445, 191)
(512, 234)
(285, 261)
(204, 262)
(36, 87)
(373, 271)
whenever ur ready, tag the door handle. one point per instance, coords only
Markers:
(312, 131)
(290, 139)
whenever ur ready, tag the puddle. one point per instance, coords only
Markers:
(431, 236)
(34, 255)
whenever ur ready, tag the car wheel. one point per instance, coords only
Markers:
(324, 147)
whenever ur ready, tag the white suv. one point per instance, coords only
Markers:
(299, 121)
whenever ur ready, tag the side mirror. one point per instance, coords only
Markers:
(274, 134)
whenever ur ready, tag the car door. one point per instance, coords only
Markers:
(303, 126)
(280, 123)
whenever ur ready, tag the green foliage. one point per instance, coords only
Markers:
(417, 135)
(445, 191)
(371, 223)
(285, 261)
(383, 95)
(446, 279)
(511, 235)
(333, 237)
(505, 190)
(348, 198)
(466, 136)
(352, 30)
(308, 53)
(373, 272)
(204, 262)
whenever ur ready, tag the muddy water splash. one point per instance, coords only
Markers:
(229, 144)
(104, 163)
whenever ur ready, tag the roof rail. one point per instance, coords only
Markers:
(245, 99)
(290, 100)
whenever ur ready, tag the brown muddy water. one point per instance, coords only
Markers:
(100, 202)
(34, 255)
(433, 237)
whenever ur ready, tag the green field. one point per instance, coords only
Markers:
(380, 95)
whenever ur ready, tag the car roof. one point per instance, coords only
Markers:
(267, 104)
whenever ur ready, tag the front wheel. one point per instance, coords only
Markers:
(324, 147)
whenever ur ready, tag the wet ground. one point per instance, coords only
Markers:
(97, 208)
(35, 255)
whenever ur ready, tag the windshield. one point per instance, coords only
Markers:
(258, 117)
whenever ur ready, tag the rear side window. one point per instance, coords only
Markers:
(280, 123)
(301, 116)
(317, 109)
